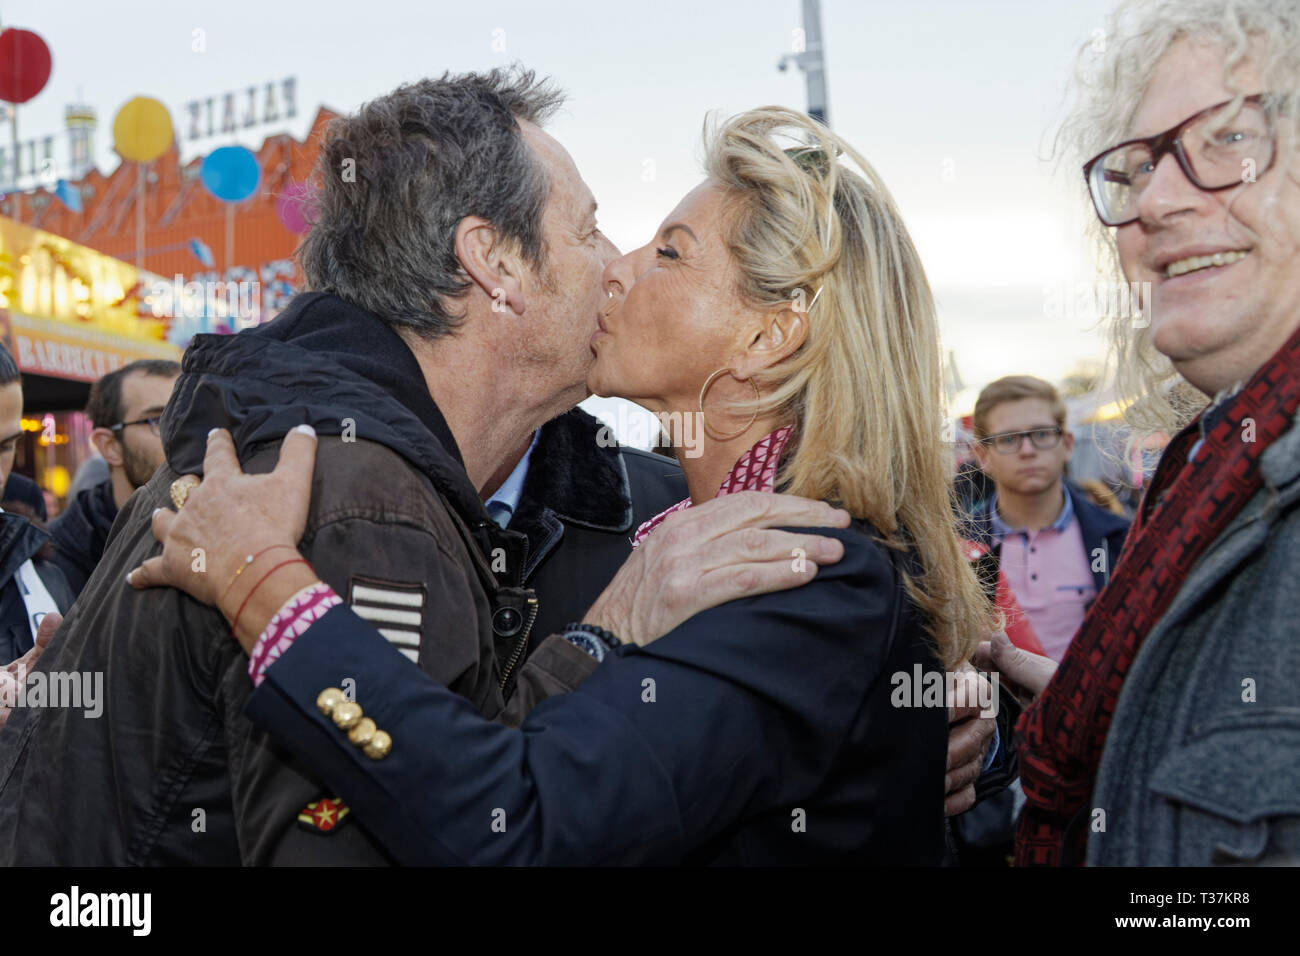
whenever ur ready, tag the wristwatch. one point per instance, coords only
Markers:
(590, 639)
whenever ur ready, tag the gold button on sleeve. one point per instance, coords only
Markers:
(379, 746)
(328, 699)
(363, 732)
(346, 714)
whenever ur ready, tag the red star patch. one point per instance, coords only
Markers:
(324, 815)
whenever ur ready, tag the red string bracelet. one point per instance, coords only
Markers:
(247, 563)
(234, 624)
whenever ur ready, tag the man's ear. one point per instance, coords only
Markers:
(981, 452)
(490, 265)
(108, 446)
(777, 335)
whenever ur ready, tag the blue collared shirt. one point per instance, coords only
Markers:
(1001, 529)
(505, 500)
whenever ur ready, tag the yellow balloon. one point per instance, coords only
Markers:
(142, 130)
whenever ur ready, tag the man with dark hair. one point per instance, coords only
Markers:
(125, 408)
(463, 151)
(442, 206)
(30, 587)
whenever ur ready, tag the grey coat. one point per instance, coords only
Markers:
(1202, 763)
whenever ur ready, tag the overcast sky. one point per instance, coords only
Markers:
(953, 101)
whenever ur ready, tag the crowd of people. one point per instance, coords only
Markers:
(365, 586)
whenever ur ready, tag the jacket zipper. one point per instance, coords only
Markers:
(522, 642)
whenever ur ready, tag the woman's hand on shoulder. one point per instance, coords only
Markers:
(231, 516)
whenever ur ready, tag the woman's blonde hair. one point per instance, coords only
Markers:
(865, 390)
(1112, 72)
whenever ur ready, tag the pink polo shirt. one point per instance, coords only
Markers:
(1049, 573)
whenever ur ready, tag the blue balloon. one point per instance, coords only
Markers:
(230, 173)
(68, 194)
(201, 252)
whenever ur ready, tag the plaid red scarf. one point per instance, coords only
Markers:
(1187, 506)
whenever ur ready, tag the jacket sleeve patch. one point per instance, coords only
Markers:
(394, 608)
(324, 815)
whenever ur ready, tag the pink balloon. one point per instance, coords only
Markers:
(294, 207)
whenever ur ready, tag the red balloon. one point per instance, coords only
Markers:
(24, 65)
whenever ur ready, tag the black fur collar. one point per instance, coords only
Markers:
(576, 477)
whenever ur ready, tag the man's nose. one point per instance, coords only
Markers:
(608, 251)
(1169, 192)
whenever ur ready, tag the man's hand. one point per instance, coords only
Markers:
(1030, 671)
(15, 672)
(714, 553)
(969, 738)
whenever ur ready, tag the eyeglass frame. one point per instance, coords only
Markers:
(989, 441)
(1170, 141)
(153, 421)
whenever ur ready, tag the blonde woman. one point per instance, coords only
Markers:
(781, 302)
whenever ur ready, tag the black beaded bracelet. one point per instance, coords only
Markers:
(606, 637)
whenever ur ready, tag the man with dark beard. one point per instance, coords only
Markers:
(125, 406)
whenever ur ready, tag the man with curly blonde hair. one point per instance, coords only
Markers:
(1169, 734)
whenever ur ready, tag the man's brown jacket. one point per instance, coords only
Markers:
(170, 771)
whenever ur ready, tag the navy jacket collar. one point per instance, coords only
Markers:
(1097, 526)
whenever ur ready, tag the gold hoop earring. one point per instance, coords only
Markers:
(704, 419)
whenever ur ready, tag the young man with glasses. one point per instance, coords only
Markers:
(1039, 544)
(1042, 550)
(124, 408)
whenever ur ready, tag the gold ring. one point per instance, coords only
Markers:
(181, 488)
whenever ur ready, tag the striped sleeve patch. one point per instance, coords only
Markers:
(395, 609)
